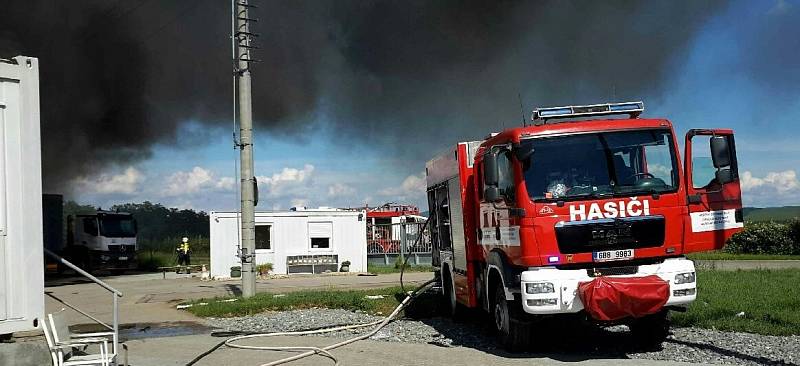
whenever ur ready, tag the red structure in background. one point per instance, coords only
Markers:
(380, 238)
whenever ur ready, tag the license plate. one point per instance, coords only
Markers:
(123, 258)
(612, 255)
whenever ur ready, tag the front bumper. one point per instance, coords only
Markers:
(565, 297)
(114, 260)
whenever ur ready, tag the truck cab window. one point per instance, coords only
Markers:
(703, 171)
(90, 226)
(601, 164)
(505, 181)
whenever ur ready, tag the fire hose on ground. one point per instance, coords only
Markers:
(308, 350)
(322, 351)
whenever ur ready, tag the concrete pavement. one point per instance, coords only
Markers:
(150, 299)
(180, 350)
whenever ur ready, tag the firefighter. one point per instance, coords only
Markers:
(184, 252)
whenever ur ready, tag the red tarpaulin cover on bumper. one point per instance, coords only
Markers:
(612, 298)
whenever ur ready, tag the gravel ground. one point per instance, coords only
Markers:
(685, 344)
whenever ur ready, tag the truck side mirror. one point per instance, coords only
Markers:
(490, 173)
(491, 194)
(723, 176)
(720, 152)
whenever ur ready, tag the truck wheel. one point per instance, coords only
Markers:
(512, 331)
(651, 330)
(452, 307)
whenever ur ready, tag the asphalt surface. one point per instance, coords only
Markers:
(159, 334)
(150, 299)
(179, 350)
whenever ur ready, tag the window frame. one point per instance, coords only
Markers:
(271, 226)
(329, 237)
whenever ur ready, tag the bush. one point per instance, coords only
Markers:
(765, 238)
(794, 227)
(264, 268)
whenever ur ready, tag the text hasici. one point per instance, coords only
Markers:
(611, 209)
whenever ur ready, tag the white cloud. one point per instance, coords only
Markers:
(286, 182)
(194, 181)
(782, 182)
(411, 190)
(299, 202)
(339, 189)
(126, 183)
(774, 189)
(413, 185)
(226, 183)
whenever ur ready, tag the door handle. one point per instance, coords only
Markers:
(694, 198)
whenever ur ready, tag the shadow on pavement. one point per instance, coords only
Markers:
(233, 290)
(562, 339)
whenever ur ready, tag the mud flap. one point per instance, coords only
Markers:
(613, 298)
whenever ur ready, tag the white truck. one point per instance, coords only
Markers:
(21, 247)
(102, 240)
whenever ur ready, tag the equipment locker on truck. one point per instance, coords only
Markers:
(581, 215)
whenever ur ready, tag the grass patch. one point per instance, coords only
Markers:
(713, 256)
(770, 300)
(332, 299)
(392, 269)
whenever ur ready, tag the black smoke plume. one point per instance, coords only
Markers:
(120, 77)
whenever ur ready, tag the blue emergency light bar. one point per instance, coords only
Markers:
(634, 109)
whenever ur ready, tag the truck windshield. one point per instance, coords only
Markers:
(117, 227)
(600, 164)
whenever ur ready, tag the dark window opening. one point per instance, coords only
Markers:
(320, 243)
(263, 237)
(90, 226)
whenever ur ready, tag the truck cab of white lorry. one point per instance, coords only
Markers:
(105, 239)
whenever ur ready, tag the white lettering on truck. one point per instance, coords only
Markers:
(610, 209)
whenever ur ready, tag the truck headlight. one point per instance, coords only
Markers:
(539, 287)
(104, 258)
(687, 277)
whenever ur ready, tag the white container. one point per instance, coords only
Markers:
(21, 254)
(312, 233)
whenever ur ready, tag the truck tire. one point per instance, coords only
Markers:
(451, 306)
(651, 330)
(513, 332)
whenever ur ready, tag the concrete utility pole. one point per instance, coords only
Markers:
(243, 39)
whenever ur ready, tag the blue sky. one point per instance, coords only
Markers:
(711, 87)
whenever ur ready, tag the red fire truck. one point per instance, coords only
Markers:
(581, 214)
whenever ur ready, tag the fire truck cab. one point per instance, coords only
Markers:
(581, 214)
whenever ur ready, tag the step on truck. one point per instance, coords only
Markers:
(586, 213)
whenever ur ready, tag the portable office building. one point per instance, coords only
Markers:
(296, 241)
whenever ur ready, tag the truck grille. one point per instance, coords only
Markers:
(612, 271)
(122, 248)
(610, 234)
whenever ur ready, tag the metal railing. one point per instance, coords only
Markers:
(115, 294)
(398, 238)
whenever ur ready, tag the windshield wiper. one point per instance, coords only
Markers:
(586, 194)
(638, 190)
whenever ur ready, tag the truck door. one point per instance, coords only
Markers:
(712, 185)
